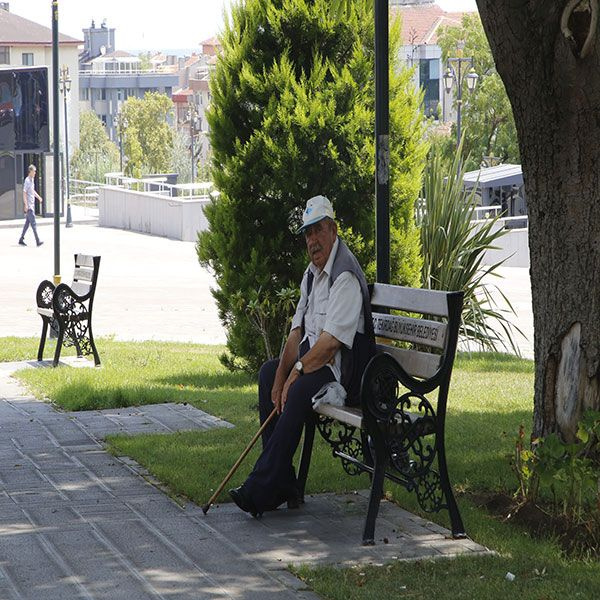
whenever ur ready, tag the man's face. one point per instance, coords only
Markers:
(320, 239)
(32, 173)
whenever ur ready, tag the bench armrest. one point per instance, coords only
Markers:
(44, 294)
(64, 298)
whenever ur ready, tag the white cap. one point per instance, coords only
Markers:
(317, 208)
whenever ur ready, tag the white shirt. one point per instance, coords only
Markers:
(29, 189)
(337, 310)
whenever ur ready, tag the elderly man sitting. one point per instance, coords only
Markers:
(331, 340)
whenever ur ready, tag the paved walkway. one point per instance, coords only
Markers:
(152, 287)
(149, 288)
(76, 522)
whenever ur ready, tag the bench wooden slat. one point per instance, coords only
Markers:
(47, 312)
(84, 260)
(81, 288)
(418, 364)
(407, 329)
(345, 414)
(429, 302)
(83, 274)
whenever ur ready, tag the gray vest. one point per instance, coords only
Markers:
(355, 359)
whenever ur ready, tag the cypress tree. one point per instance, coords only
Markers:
(292, 116)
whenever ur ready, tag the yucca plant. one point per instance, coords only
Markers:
(453, 246)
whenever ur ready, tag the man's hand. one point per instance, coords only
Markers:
(286, 388)
(276, 395)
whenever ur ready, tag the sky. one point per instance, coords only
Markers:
(151, 24)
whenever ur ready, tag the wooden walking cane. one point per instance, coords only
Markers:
(238, 462)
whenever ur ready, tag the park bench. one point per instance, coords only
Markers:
(397, 432)
(68, 309)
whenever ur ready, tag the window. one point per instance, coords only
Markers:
(103, 119)
(103, 94)
(84, 93)
(4, 55)
(27, 59)
(429, 75)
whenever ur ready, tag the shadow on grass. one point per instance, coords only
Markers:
(210, 381)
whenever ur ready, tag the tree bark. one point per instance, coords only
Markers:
(555, 96)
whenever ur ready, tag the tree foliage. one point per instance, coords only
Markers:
(292, 116)
(487, 115)
(96, 154)
(181, 161)
(147, 135)
(454, 244)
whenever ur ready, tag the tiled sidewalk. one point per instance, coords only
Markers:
(76, 522)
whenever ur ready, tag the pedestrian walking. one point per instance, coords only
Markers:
(29, 196)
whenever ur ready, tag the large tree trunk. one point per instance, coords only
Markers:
(555, 95)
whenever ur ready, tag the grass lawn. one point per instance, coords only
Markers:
(490, 397)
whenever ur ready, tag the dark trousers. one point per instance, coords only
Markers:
(273, 479)
(30, 220)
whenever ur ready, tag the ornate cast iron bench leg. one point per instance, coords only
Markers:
(43, 298)
(92, 343)
(40, 355)
(458, 529)
(377, 479)
(59, 342)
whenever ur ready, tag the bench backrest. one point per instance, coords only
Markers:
(85, 275)
(429, 323)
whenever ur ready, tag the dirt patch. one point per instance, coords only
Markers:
(575, 539)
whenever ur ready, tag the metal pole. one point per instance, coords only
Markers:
(192, 142)
(56, 137)
(382, 140)
(66, 139)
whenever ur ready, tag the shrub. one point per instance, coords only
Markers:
(453, 245)
(292, 116)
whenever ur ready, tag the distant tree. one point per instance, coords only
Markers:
(181, 160)
(147, 135)
(145, 64)
(96, 154)
(292, 115)
(487, 116)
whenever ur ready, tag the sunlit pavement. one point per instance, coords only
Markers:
(148, 287)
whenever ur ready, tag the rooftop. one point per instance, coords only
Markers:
(213, 41)
(16, 30)
(420, 23)
(494, 176)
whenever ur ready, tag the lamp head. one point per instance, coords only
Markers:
(448, 79)
(472, 78)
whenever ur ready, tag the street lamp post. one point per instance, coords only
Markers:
(455, 74)
(65, 88)
(382, 140)
(192, 115)
(55, 141)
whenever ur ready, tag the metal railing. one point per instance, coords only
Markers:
(158, 186)
(167, 70)
(84, 193)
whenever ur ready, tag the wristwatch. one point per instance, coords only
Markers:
(299, 367)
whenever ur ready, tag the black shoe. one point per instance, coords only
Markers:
(22, 243)
(240, 496)
(39, 244)
(294, 501)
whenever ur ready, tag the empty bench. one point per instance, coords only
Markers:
(68, 309)
(397, 432)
